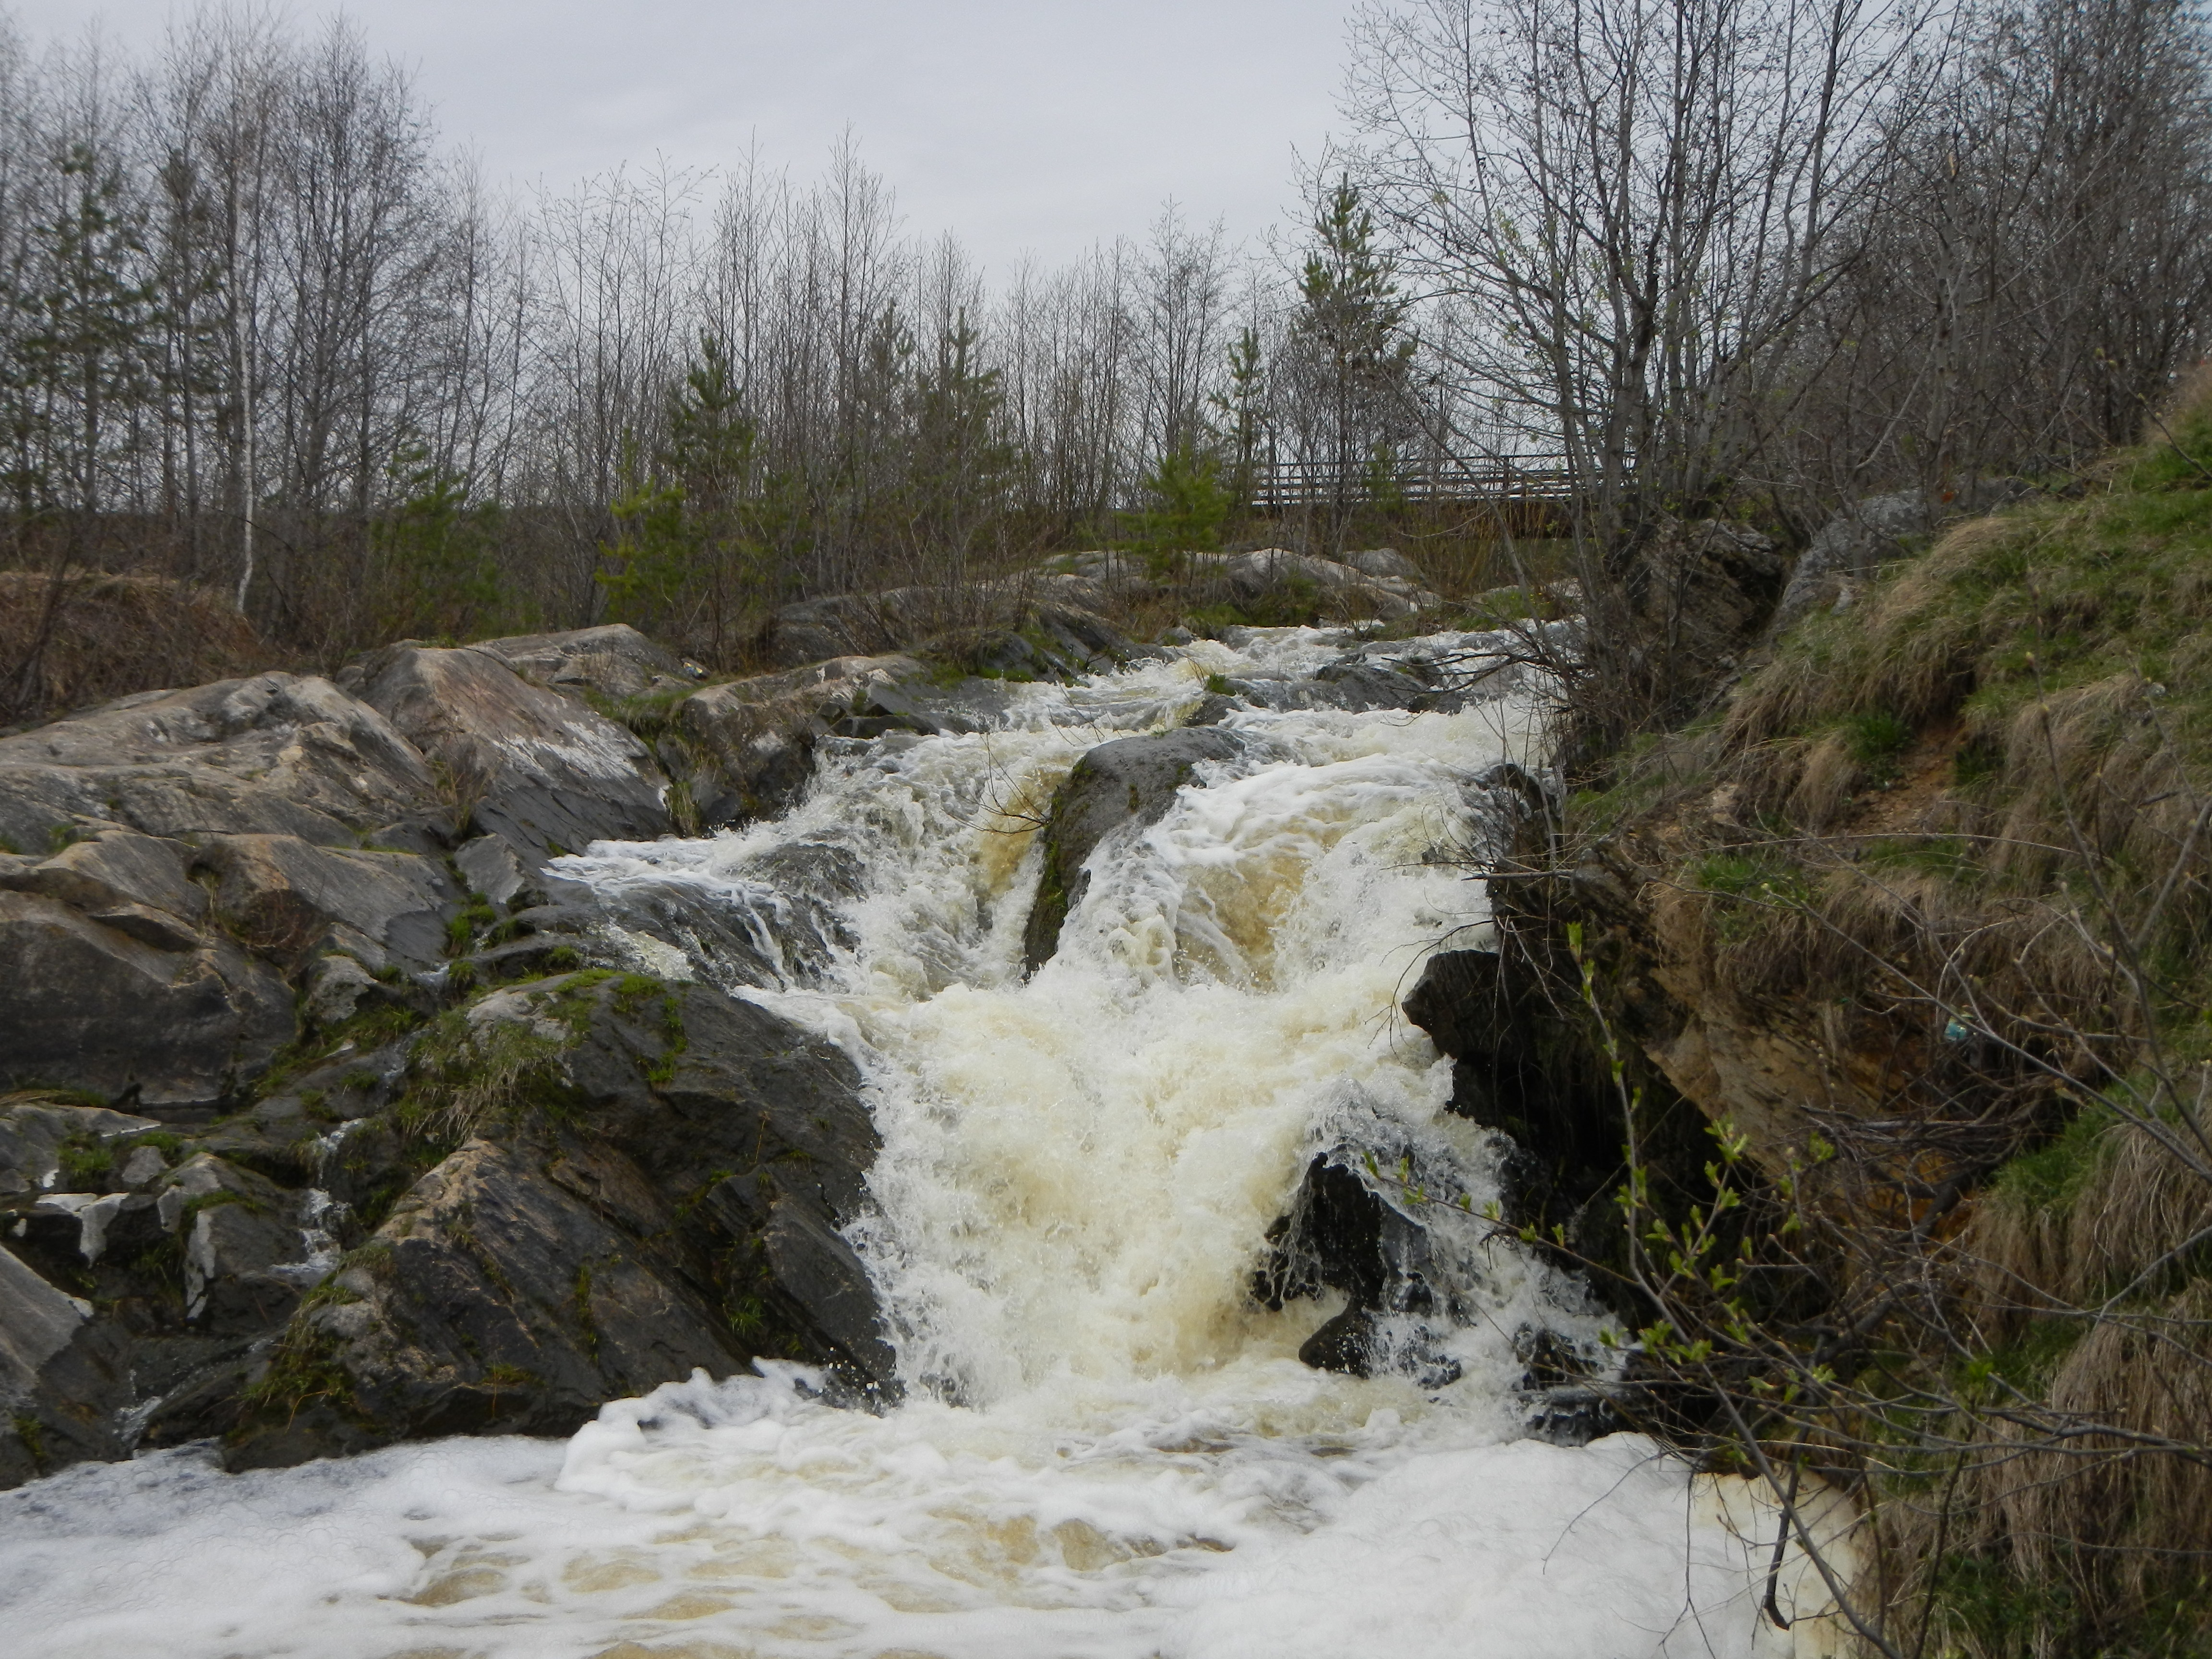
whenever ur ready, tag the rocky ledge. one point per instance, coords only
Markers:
(328, 1117)
(331, 1116)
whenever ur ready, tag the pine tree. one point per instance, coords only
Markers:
(689, 559)
(1355, 356)
(960, 464)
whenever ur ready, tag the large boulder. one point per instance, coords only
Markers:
(754, 737)
(139, 1278)
(614, 660)
(274, 754)
(1384, 562)
(1059, 612)
(62, 1377)
(1129, 781)
(291, 899)
(541, 771)
(1869, 532)
(139, 885)
(37, 1127)
(1356, 682)
(1272, 577)
(651, 1179)
(93, 1007)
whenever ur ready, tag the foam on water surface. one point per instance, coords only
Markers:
(1108, 1447)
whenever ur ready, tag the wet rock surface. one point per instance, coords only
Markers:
(755, 738)
(332, 1116)
(1130, 781)
(239, 924)
(651, 1183)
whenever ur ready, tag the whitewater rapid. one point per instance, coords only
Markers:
(1107, 1447)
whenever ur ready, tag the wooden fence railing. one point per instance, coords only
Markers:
(1286, 484)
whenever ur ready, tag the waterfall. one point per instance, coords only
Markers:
(1107, 1443)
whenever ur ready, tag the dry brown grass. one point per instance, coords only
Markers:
(92, 638)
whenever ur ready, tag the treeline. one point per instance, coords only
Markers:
(1762, 257)
(259, 332)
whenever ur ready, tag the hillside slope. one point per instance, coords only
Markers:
(1916, 917)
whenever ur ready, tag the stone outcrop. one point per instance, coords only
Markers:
(1030, 626)
(1129, 781)
(275, 754)
(1386, 585)
(541, 771)
(1869, 532)
(614, 661)
(172, 1027)
(304, 902)
(756, 736)
(652, 1180)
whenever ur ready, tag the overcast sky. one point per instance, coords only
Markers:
(1025, 126)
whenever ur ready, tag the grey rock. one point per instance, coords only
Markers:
(274, 754)
(62, 1377)
(34, 1126)
(119, 870)
(758, 735)
(490, 867)
(615, 660)
(1131, 781)
(1384, 562)
(288, 898)
(95, 1009)
(336, 987)
(822, 1279)
(237, 1226)
(1869, 532)
(540, 770)
(958, 618)
(1354, 684)
(659, 1191)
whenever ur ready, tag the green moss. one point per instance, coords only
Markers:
(2048, 1180)
(304, 1369)
(663, 1069)
(34, 1437)
(86, 1161)
(329, 1294)
(376, 1257)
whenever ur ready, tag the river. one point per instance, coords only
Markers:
(1106, 1447)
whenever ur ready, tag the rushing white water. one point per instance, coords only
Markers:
(1108, 1447)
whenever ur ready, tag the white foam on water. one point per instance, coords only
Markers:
(1108, 1447)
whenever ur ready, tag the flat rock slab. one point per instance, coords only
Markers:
(538, 769)
(274, 754)
(614, 660)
